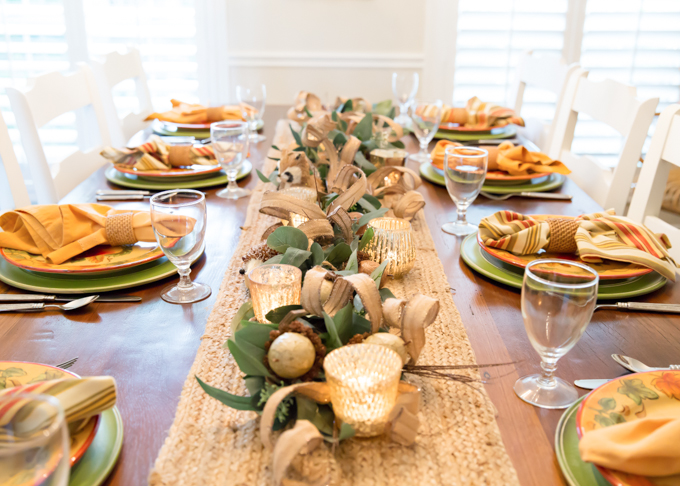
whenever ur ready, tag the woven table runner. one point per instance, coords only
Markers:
(458, 441)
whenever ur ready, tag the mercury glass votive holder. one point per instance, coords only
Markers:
(273, 286)
(303, 193)
(392, 238)
(363, 380)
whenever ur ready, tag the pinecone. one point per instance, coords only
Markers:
(358, 338)
(260, 252)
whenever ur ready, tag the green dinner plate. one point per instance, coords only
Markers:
(120, 179)
(508, 131)
(576, 472)
(160, 129)
(545, 184)
(621, 289)
(97, 463)
(48, 283)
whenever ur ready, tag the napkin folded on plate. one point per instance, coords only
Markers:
(513, 159)
(593, 237)
(195, 114)
(81, 399)
(60, 232)
(479, 114)
(647, 447)
(154, 154)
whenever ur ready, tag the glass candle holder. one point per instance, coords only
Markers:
(273, 286)
(303, 193)
(392, 239)
(363, 380)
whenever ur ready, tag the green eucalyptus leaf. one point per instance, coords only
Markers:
(273, 178)
(398, 144)
(285, 237)
(317, 255)
(368, 145)
(353, 262)
(309, 113)
(366, 238)
(296, 136)
(346, 431)
(244, 312)
(320, 415)
(339, 254)
(295, 256)
(256, 334)
(364, 129)
(277, 315)
(339, 138)
(383, 107)
(274, 259)
(333, 341)
(254, 384)
(348, 106)
(233, 401)
(358, 305)
(393, 111)
(375, 202)
(334, 116)
(342, 125)
(376, 275)
(247, 363)
(343, 323)
(360, 324)
(262, 177)
(363, 163)
(386, 294)
(369, 216)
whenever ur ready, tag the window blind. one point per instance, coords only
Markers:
(491, 36)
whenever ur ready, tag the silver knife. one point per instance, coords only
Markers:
(641, 306)
(121, 197)
(54, 298)
(590, 384)
(546, 195)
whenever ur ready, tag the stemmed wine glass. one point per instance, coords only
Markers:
(230, 144)
(464, 172)
(34, 443)
(252, 101)
(425, 117)
(178, 217)
(404, 89)
(558, 300)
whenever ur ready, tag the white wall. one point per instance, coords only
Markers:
(335, 47)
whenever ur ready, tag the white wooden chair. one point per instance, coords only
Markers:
(13, 192)
(616, 105)
(113, 69)
(47, 97)
(663, 154)
(547, 73)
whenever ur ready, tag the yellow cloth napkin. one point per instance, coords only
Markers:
(187, 113)
(60, 232)
(517, 160)
(154, 154)
(646, 447)
(479, 114)
(593, 237)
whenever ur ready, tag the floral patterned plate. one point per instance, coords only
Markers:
(99, 259)
(626, 399)
(16, 373)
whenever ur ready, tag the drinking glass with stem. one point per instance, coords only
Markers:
(179, 221)
(558, 300)
(425, 117)
(464, 173)
(404, 89)
(230, 144)
(34, 444)
(252, 100)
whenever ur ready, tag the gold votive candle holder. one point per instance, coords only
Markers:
(363, 380)
(304, 193)
(272, 286)
(392, 238)
(389, 158)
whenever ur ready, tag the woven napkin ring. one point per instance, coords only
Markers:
(119, 230)
(179, 155)
(562, 232)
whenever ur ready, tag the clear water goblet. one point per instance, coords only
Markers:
(404, 89)
(230, 143)
(252, 101)
(425, 117)
(179, 221)
(464, 173)
(34, 441)
(558, 300)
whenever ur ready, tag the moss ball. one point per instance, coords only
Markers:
(291, 355)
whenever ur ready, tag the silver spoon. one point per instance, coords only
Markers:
(636, 366)
(41, 306)
(535, 195)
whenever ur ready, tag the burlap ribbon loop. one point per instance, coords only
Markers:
(119, 230)
(562, 235)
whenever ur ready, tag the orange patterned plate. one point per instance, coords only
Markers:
(626, 399)
(606, 269)
(99, 259)
(190, 171)
(16, 373)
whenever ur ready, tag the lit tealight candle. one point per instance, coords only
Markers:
(303, 193)
(392, 239)
(273, 286)
(363, 380)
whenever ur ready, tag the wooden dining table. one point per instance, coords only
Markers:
(148, 347)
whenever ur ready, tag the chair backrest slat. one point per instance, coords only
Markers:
(13, 192)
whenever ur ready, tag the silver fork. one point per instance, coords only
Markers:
(535, 195)
(637, 366)
(67, 364)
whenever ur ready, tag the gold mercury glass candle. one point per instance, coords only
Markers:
(392, 238)
(389, 157)
(303, 193)
(363, 381)
(273, 286)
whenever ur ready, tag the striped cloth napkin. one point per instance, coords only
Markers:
(154, 154)
(593, 237)
(480, 114)
(81, 399)
(196, 114)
